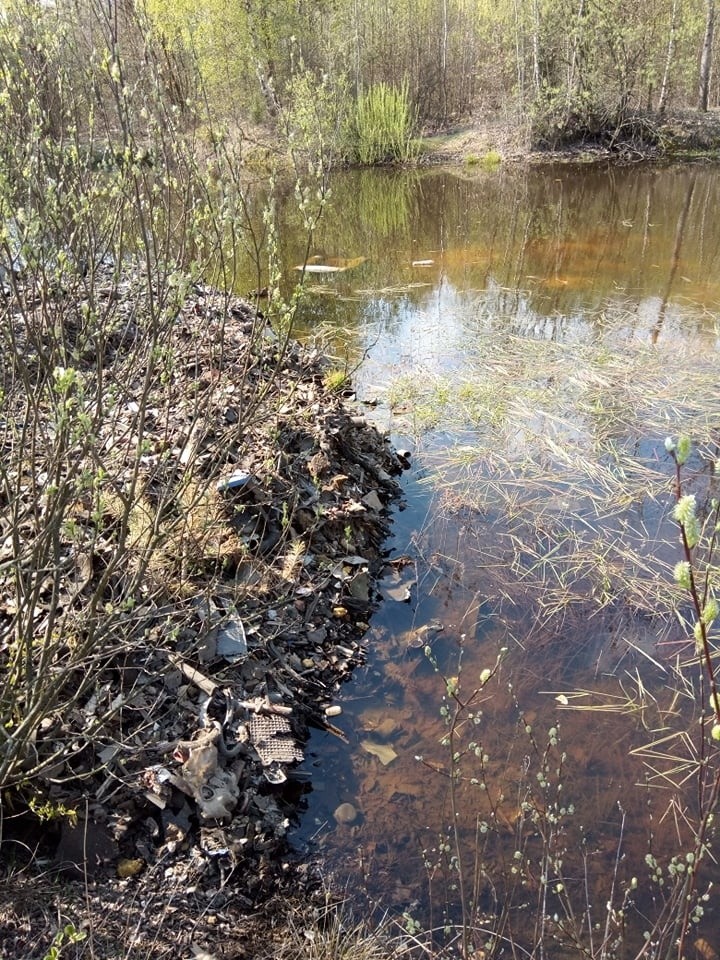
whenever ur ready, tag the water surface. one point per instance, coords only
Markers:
(533, 336)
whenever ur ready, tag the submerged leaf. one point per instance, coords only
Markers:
(382, 751)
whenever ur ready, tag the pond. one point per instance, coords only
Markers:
(523, 751)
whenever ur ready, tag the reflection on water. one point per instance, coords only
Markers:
(536, 334)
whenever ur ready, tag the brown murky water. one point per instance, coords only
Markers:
(520, 313)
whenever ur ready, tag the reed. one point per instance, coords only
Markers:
(383, 126)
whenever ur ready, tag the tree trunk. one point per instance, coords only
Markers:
(669, 57)
(576, 77)
(443, 64)
(706, 57)
(536, 47)
(519, 55)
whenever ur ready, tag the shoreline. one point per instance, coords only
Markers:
(179, 840)
(169, 832)
(682, 136)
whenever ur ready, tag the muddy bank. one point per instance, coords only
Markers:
(646, 137)
(494, 138)
(160, 792)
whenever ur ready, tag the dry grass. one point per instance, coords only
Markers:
(561, 453)
(331, 933)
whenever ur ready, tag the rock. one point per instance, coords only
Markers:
(373, 501)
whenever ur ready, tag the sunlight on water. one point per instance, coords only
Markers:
(533, 336)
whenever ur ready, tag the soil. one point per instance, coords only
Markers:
(492, 138)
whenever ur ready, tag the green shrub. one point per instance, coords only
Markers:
(316, 116)
(558, 119)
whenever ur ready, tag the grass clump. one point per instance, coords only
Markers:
(554, 454)
(335, 937)
(382, 128)
(335, 380)
(492, 159)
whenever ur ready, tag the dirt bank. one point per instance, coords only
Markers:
(645, 137)
(159, 821)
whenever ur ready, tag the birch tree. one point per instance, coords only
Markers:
(706, 56)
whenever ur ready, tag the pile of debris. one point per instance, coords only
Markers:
(252, 506)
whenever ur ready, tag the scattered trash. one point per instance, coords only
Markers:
(275, 774)
(399, 590)
(251, 608)
(273, 740)
(400, 577)
(215, 790)
(198, 953)
(236, 481)
(231, 643)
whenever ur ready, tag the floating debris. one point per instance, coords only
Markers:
(398, 585)
(319, 264)
(423, 635)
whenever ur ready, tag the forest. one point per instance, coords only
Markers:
(558, 70)
(568, 67)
